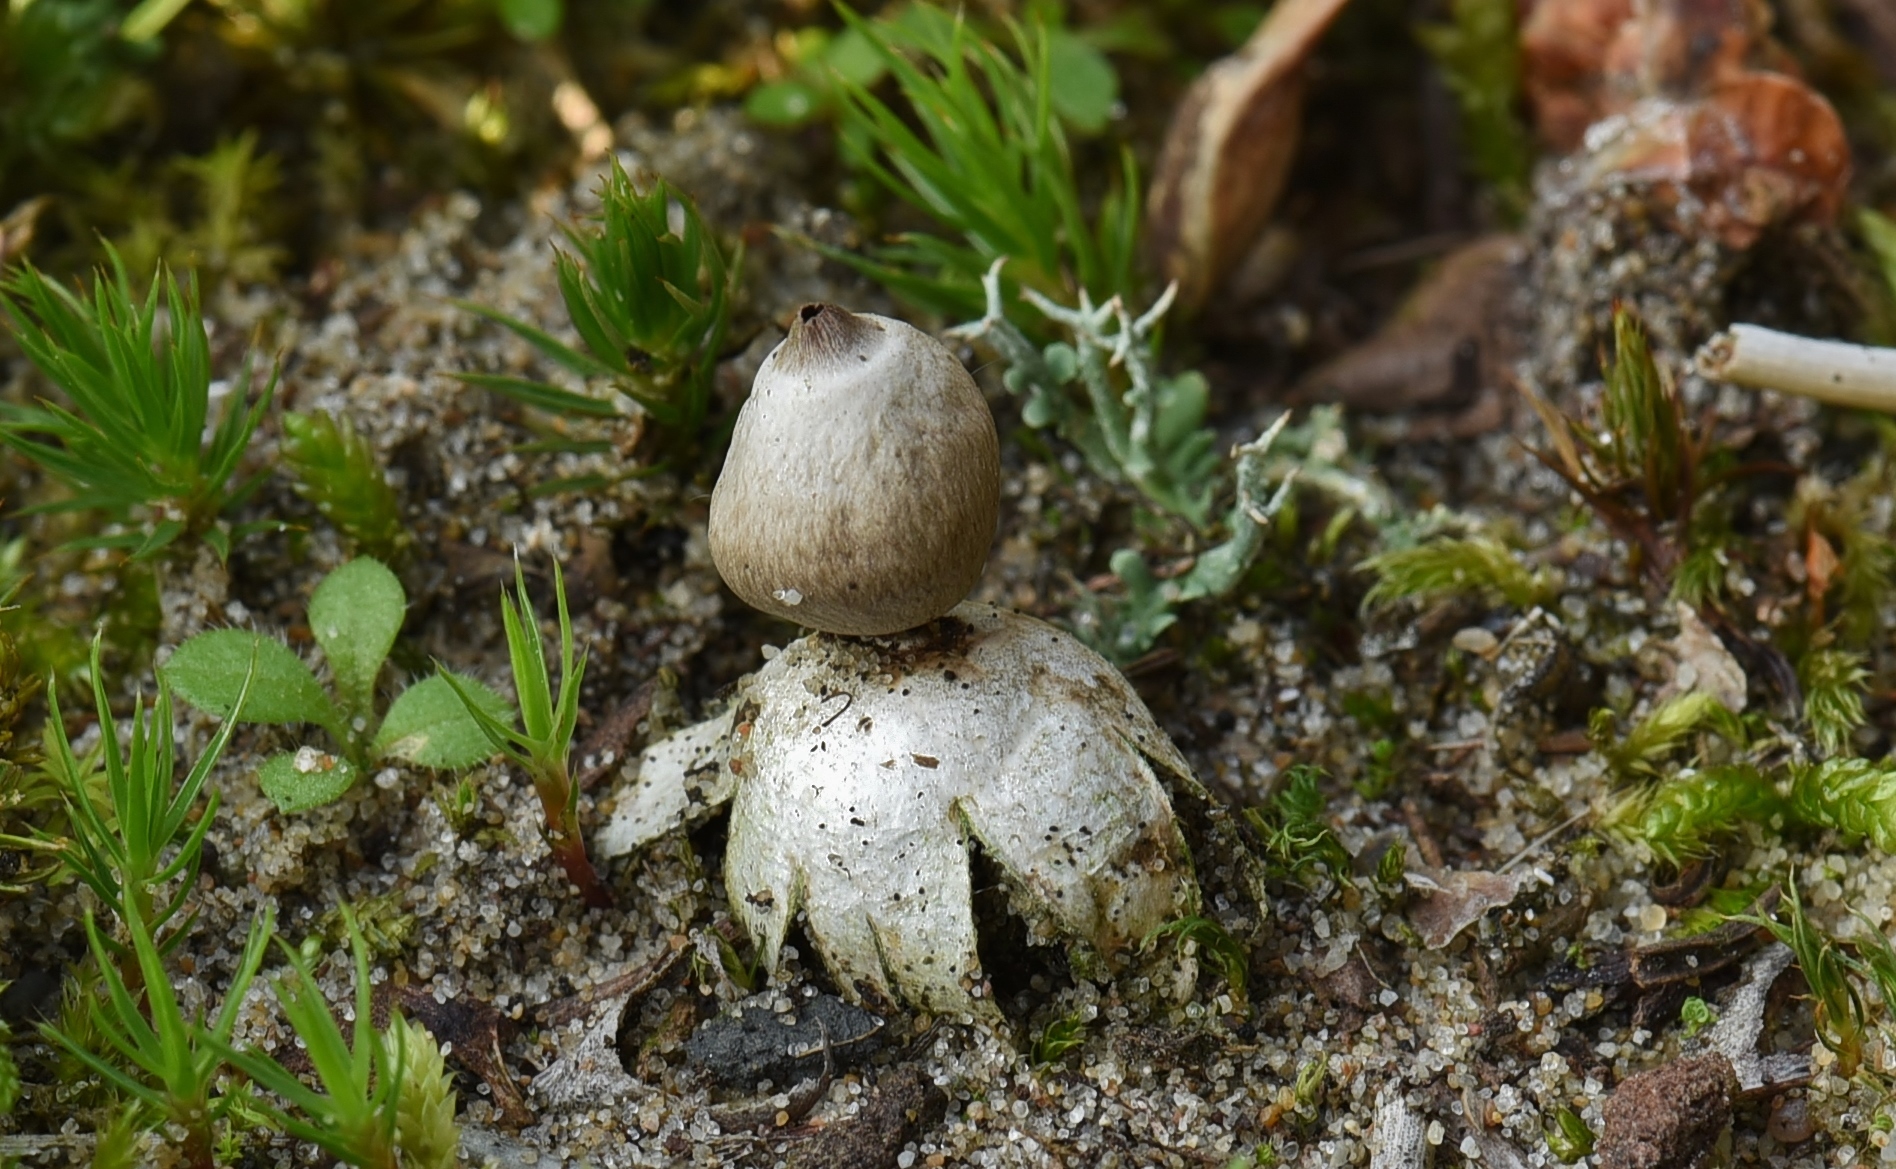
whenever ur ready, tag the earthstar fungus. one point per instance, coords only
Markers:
(864, 762)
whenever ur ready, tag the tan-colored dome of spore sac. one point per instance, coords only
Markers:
(862, 487)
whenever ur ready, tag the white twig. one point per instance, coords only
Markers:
(1830, 371)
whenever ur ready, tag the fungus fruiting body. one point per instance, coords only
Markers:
(863, 763)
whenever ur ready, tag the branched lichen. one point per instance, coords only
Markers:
(1100, 390)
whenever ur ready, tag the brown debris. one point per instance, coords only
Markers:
(1585, 60)
(1670, 1117)
(1453, 899)
(1759, 150)
(473, 1028)
(903, 1107)
(1229, 150)
(16, 229)
(627, 985)
(610, 744)
(1564, 48)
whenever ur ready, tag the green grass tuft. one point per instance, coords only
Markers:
(137, 840)
(977, 146)
(352, 1115)
(131, 442)
(140, 1042)
(651, 305)
(1641, 467)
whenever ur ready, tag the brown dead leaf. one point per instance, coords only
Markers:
(1708, 111)
(1229, 150)
(1564, 48)
(1447, 352)
(1453, 899)
(1584, 60)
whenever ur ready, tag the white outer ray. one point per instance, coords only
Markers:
(863, 767)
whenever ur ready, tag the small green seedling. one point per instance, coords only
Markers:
(143, 837)
(133, 442)
(354, 615)
(335, 469)
(650, 303)
(1695, 1015)
(355, 1114)
(1570, 1139)
(143, 1045)
(1642, 468)
(548, 714)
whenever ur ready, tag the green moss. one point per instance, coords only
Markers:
(1834, 681)
(1479, 55)
(1477, 565)
(1681, 819)
(336, 469)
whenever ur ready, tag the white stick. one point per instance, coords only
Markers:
(1830, 371)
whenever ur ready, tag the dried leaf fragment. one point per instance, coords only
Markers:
(1445, 355)
(1454, 899)
(472, 1029)
(1229, 149)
